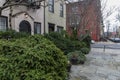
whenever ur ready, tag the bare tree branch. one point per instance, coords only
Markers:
(10, 3)
(106, 12)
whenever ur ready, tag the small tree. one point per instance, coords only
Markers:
(106, 12)
(118, 15)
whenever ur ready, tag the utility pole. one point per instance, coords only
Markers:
(108, 27)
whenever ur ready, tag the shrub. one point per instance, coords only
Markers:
(65, 43)
(87, 39)
(11, 34)
(85, 50)
(60, 41)
(32, 58)
(78, 55)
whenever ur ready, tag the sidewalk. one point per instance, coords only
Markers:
(108, 42)
(100, 65)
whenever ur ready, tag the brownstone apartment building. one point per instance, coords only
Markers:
(85, 17)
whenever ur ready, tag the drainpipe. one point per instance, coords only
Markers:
(44, 18)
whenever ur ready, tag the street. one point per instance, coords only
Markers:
(109, 45)
(100, 65)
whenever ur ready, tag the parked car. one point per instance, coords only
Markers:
(116, 40)
(92, 41)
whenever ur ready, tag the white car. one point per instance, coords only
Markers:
(92, 41)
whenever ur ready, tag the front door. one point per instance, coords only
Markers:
(25, 27)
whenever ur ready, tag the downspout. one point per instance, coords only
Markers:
(44, 18)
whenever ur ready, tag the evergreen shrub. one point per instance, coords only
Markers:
(32, 58)
(85, 50)
(78, 55)
(64, 43)
(11, 34)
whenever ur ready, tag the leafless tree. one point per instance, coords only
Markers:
(118, 15)
(27, 3)
(106, 12)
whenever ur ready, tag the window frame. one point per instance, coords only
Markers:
(60, 28)
(51, 6)
(61, 10)
(35, 27)
(51, 27)
(5, 24)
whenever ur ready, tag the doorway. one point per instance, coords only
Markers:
(25, 27)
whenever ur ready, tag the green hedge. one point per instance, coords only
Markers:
(64, 43)
(85, 50)
(11, 34)
(32, 58)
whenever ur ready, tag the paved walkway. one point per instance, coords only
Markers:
(100, 65)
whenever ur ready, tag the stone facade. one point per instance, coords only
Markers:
(25, 16)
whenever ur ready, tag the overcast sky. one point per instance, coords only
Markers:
(113, 2)
(114, 23)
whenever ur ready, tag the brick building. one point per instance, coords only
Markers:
(84, 16)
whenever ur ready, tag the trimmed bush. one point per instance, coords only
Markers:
(87, 39)
(85, 50)
(78, 55)
(11, 34)
(32, 58)
(64, 43)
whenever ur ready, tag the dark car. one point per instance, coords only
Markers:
(116, 40)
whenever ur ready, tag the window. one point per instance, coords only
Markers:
(51, 5)
(74, 20)
(37, 28)
(75, 9)
(59, 29)
(51, 27)
(3, 23)
(61, 10)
